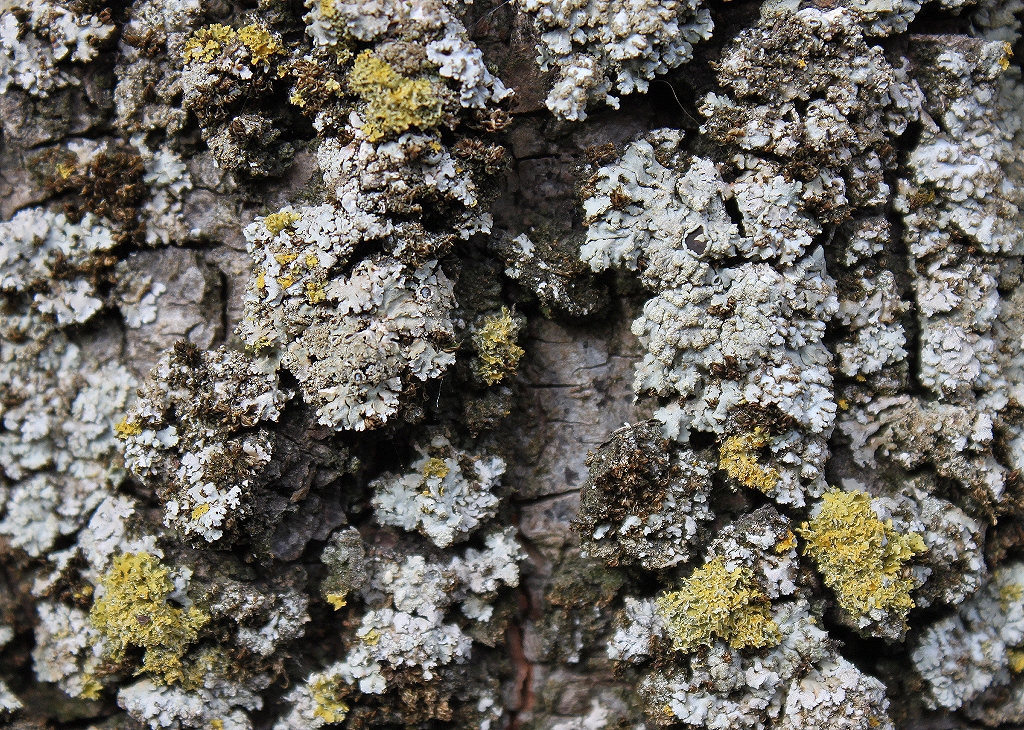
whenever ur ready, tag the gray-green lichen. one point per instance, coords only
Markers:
(299, 374)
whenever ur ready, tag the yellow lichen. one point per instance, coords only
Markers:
(262, 46)
(207, 43)
(337, 600)
(498, 354)
(126, 428)
(311, 261)
(435, 468)
(1010, 594)
(1004, 62)
(91, 688)
(199, 511)
(134, 611)
(285, 258)
(217, 724)
(277, 222)
(326, 694)
(394, 103)
(738, 457)
(716, 602)
(315, 293)
(787, 543)
(1016, 659)
(261, 279)
(862, 558)
(327, 8)
(285, 281)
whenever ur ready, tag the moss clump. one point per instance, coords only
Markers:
(498, 354)
(861, 557)
(716, 602)
(738, 457)
(207, 43)
(394, 103)
(135, 611)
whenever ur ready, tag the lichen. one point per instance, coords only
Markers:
(717, 602)
(394, 103)
(135, 610)
(497, 353)
(863, 559)
(738, 457)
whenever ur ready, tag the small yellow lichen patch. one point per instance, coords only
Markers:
(787, 543)
(1016, 659)
(861, 557)
(738, 457)
(315, 293)
(1004, 62)
(65, 170)
(326, 693)
(217, 724)
(206, 43)
(126, 429)
(394, 102)
(1010, 594)
(199, 511)
(91, 688)
(260, 43)
(277, 222)
(134, 611)
(435, 468)
(311, 261)
(285, 258)
(716, 602)
(285, 281)
(337, 600)
(498, 354)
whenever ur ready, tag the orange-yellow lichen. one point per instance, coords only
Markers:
(337, 600)
(718, 603)
(135, 611)
(862, 558)
(738, 457)
(394, 103)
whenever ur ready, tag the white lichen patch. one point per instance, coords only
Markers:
(38, 39)
(445, 496)
(190, 436)
(602, 49)
(42, 252)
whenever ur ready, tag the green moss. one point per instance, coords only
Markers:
(134, 611)
(394, 103)
(738, 457)
(498, 354)
(716, 602)
(861, 557)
